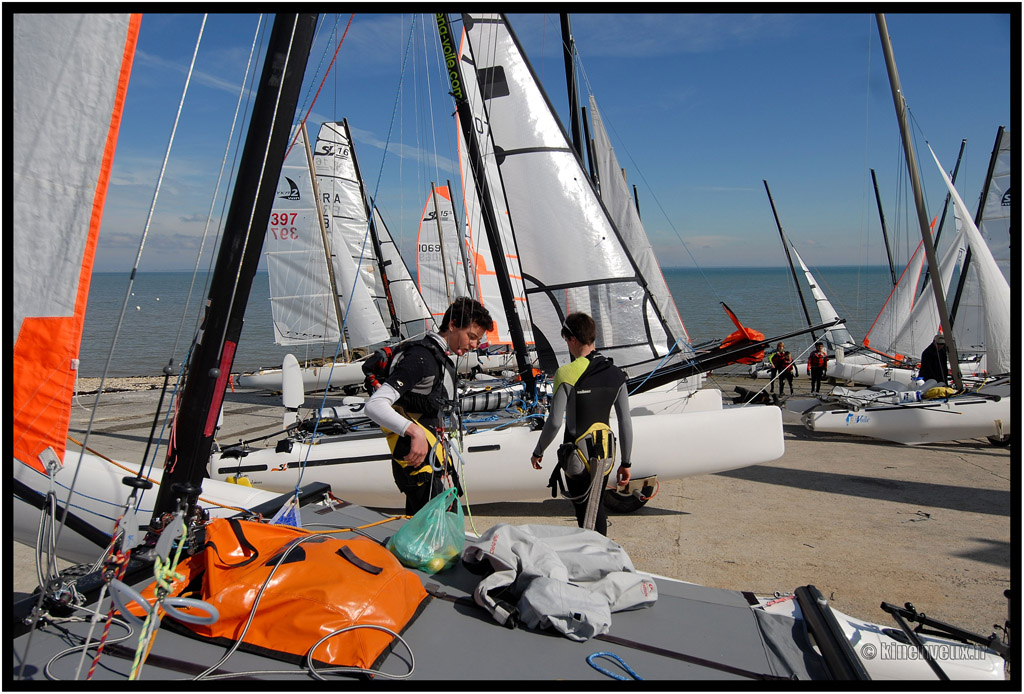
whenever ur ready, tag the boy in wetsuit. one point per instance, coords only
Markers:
(585, 392)
(419, 385)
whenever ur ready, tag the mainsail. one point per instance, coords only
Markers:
(393, 296)
(897, 307)
(73, 75)
(570, 254)
(995, 290)
(615, 196)
(440, 266)
(837, 336)
(993, 221)
(347, 218)
(304, 305)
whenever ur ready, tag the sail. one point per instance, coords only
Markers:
(996, 212)
(347, 220)
(994, 289)
(882, 333)
(479, 245)
(439, 260)
(72, 77)
(411, 310)
(570, 254)
(967, 312)
(303, 304)
(919, 328)
(838, 336)
(616, 197)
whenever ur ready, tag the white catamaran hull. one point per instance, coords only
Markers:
(100, 497)
(497, 466)
(346, 374)
(929, 421)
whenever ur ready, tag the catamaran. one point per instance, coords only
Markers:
(300, 620)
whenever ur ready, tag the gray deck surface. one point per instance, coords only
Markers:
(459, 641)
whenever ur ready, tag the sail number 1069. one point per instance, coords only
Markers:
(282, 225)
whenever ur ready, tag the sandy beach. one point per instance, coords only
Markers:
(863, 520)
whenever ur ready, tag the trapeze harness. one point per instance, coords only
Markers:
(428, 408)
(594, 386)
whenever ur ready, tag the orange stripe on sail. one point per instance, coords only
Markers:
(47, 345)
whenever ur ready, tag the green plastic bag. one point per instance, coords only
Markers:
(432, 539)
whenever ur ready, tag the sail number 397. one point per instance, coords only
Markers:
(282, 225)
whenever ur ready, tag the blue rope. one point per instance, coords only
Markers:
(620, 661)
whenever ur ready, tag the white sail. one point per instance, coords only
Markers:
(440, 268)
(967, 311)
(410, 309)
(995, 291)
(920, 327)
(996, 212)
(547, 191)
(882, 333)
(481, 252)
(345, 213)
(839, 336)
(303, 304)
(616, 197)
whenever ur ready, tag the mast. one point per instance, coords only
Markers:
(922, 213)
(590, 150)
(569, 49)
(460, 235)
(469, 132)
(977, 220)
(789, 259)
(244, 230)
(396, 325)
(338, 313)
(885, 234)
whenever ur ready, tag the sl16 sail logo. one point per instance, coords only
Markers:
(282, 225)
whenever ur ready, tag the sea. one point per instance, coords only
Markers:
(160, 315)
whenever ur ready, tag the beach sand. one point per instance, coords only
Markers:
(863, 520)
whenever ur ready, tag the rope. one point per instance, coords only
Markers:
(605, 654)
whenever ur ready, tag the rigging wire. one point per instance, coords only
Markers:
(323, 402)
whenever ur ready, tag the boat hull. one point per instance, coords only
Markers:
(100, 497)
(497, 462)
(928, 421)
(349, 374)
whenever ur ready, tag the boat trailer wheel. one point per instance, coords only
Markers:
(1000, 441)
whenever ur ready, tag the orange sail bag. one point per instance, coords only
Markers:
(323, 584)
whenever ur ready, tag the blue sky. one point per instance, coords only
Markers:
(700, 109)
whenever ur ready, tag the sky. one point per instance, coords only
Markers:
(701, 108)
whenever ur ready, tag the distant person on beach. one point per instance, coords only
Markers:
(934, 366)
(411, 402)
(782, 362)
(585, 391)
(816, 364)
(772, 373)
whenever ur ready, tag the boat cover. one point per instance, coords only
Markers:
(570, 579)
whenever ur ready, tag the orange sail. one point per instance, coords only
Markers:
(55, 244)
(741, 336)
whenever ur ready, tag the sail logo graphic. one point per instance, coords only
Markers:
(292, 194)
(329, 151)
(1005, 202)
